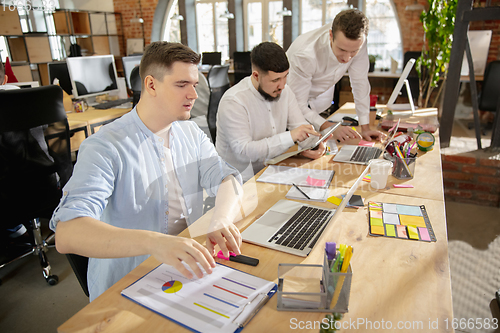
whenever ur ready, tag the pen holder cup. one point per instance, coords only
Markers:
(313, 288)
(404, 168)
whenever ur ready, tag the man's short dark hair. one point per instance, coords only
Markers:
(159, 57)
(269, 56)
(2, 71)
(352, 22)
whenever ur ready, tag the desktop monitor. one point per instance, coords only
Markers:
(59, 70)
(92, 76)
(211, 58)
(27, 84)
(402, 80)
(128, 65)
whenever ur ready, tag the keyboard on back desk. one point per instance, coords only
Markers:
(364, 154)
(298, 231)
(111, 104)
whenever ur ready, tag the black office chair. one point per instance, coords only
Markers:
(242, 65)
(488, 98)
(135, 85)
(211, 58)
(218, 82)
(80, 265)
(32, 172)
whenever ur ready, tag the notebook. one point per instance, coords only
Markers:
(294, 227)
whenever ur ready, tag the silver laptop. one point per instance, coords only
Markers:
(294, 227)
(362, 154)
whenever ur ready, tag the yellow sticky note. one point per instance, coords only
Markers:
(377, 230)
(375, 221)
(417, 221)
(334, 200)
(390, 230)
(412, 232)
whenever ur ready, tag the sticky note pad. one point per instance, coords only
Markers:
(376, 214)
(374, 206)
(390, 208)
(375, 221)
(390, 230)
(391, 218)
(403, 185)
(334, 200)
(401, 230)
(409, 210)
(417, 221)
(315, 182)
(377, 230)
(412, 232)
(367, 178)
(424, 234)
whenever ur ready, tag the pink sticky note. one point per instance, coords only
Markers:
(402, 185)
(424, 234)
(315, 182)
(366, 143)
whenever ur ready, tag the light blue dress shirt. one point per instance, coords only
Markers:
(120, 178)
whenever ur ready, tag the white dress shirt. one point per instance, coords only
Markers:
(251, 130)
(314, 71)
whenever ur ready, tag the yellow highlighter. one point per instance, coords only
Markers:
(347, 259)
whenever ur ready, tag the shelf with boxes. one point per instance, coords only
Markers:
(35, 38)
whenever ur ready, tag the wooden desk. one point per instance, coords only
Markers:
(401, 282)
(83, 124)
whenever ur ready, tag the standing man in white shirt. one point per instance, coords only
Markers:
(254, 115)
(319, 59)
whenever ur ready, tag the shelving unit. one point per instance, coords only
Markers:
(35, 38)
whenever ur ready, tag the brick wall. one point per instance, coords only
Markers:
(129, 9)
(472, 179)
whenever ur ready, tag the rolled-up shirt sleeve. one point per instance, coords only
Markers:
(300, 81)
(358, 75)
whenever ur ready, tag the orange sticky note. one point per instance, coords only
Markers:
(377, 230)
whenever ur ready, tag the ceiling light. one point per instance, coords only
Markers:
(227, 15)
(177, 17)
(285, 12)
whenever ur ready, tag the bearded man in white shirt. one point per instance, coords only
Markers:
(254, 115)
(320, 58)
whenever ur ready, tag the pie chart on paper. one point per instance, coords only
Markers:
(171, 287)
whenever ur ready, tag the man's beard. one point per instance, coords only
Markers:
(266, 96)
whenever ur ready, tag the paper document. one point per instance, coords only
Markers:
(315, 194)
(298, 176)
(218, 302)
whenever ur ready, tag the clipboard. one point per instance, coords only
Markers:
(224, 301)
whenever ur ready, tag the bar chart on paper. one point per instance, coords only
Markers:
(217, 302)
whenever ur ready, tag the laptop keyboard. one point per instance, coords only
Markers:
(364, 154)
(298, 231)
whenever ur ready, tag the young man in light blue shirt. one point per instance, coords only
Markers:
(141, 178)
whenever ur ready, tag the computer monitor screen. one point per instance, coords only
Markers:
(399, 85)
(92, 76)
(128, 65)
(211, 58)
(27, 84)
(59, 70)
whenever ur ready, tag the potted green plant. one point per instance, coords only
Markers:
(373, 58)
(438, 23)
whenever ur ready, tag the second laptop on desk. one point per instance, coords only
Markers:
(294, 227)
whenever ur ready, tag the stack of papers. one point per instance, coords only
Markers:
(298, 176)
(292, 284)
(315, 194)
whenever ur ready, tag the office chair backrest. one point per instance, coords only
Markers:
(218, 82)
(29, 186)
(211, 58)
(135, 85)
(242, 65)
(490, 92)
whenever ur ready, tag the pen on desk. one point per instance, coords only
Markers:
(301, 191)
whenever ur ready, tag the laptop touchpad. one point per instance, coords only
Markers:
(273, 219)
